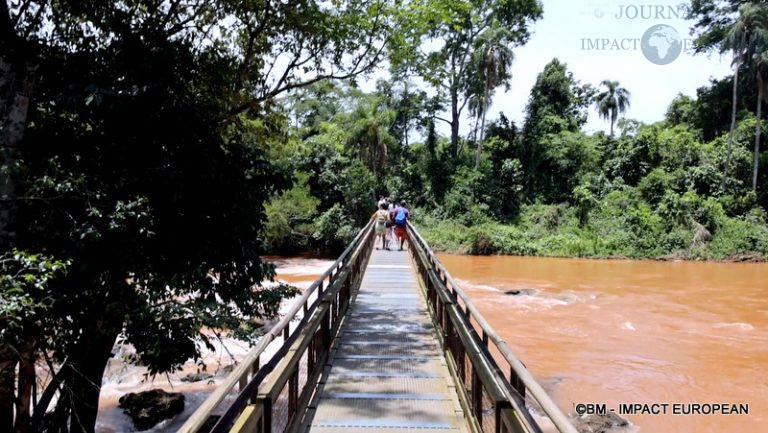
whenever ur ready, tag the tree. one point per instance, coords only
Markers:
(25, 321)
(491, 65)
(738, 33)
(748, 30)
(558, 103)
(711, 108)
(439, 37)
(408, 103)
(680, 110)
(311, 106)
(130, 160)
(369, 135)
(612, 101)
(761, 66)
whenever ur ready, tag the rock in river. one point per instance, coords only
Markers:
(150, 407)
(605, 423)
(196, 377)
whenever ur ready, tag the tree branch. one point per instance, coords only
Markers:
(250, 51)
(22, 11)
(353, 73)
(171, 11)
(54, 385)
(35, 22)
(463, 104)
(291, 65)
(364, 62)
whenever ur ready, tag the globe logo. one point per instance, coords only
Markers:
(661, 44)
(599, 13)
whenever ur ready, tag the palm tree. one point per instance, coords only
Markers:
(612, 102)
(741, 38)
(491, 60)
(761, 66)
(370, 134)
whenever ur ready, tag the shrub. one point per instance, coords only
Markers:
(480, 242)
(653, 186)
(334, 229)
(739, 236)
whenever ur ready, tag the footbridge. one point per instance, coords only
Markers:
(384, 341)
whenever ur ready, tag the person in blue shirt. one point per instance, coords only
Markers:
(401, 216)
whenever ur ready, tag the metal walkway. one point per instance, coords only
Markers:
(388, 373)
(383, 341)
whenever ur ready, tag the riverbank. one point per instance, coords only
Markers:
(557, 231)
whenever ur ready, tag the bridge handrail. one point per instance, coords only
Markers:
(535, 390)
(250, 363)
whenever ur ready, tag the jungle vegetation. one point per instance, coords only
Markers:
(153, 151)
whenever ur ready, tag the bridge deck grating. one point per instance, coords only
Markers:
(388, 372)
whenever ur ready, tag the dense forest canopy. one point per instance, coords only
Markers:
(154, 150)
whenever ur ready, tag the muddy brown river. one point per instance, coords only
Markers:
(616, 332)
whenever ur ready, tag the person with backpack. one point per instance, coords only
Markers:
(401, 222)
(381, 216)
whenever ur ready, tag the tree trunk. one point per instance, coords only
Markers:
(733, 129)
(482, 128)
(757, 134)
(407, 126)
(8, 361)
(482, 125)
(41, 406)
(87, 363)
(14, 104)
(27, 377)
(407, 112)
(454, 123)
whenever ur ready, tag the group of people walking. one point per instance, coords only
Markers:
(391, 221)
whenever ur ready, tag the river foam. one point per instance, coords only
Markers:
(530, 297)
(737, 326)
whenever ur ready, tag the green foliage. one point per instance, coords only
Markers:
(461, 202)
(680, 110)
(557, 106)
(290, 216)
(654, 186)
(632, 156)
(653, 192)
(738, 237)
(359, 191)
(369, 136)
(26, 297)
(334, 229)
(621, 225)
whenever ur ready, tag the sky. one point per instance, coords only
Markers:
(562, 33)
